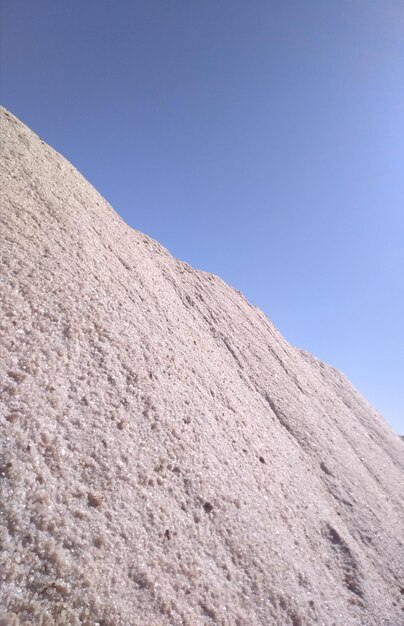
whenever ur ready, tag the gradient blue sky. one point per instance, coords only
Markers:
(259, 140)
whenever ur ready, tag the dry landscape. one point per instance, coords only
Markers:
(167, 457)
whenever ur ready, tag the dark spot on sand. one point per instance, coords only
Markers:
(325, 469)
(94, 500)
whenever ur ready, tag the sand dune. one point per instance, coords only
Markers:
(167, 457)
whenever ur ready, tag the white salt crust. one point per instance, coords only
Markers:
(167, 457)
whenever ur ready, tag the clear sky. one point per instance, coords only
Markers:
(260, 140)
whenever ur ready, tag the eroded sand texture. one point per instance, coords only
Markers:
(167, 457)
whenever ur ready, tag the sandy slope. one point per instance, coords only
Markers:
(167, 457)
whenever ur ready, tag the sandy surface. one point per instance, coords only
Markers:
(167, 457)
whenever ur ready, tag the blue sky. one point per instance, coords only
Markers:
(262, 141)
